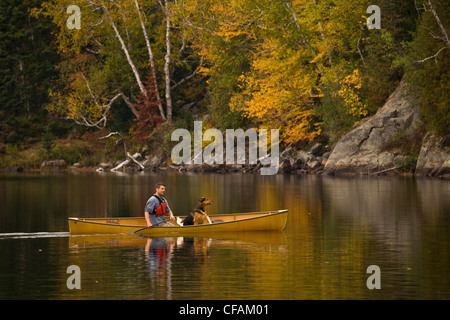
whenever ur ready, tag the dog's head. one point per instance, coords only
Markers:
(203, 201)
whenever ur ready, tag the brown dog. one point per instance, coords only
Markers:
(198, 215)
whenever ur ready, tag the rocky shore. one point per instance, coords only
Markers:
(391, 142)
(291, 161)
(433, 160)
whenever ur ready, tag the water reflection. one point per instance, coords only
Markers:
(180, 267)
(336, 228)
(158, 253)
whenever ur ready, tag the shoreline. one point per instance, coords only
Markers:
(213, 169)
(319, 159)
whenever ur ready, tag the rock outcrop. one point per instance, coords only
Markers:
(434, 157)
(53, 165)
(361, 151)
(301, 161)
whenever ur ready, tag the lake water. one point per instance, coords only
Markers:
(336, 229)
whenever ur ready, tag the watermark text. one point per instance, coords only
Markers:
(235, 153)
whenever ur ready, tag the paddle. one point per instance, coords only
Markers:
(135, 231)
(177, 219)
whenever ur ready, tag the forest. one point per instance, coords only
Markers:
(142, 68)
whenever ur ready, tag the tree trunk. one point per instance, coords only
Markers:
(167, 63)
(444, 37)
(129, 104)
(125, 50)
(152, 62)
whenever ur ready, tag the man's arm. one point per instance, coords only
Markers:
(171, 216)
(147, 218)
(149, 207)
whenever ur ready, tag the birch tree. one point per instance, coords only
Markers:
(124, 47)
(167, 61)
(114, 30)
(151, 58)
(442, 35)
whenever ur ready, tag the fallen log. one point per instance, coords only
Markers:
(386, 170)
(128, 156)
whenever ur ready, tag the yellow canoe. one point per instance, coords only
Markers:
(236, 222)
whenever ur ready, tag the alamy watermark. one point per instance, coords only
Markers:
(74, 280)
(374, 21)
(214, 152)
(374, 281)
(74, 20)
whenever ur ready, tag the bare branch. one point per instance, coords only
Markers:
(129, 104)
(359, 50)
(100, 21)
(189, 76)
(127, 154)
(89, 124)
(123, 16)
(110, 135)
(444, 36)
(111, 101)
(92, 51)
(444, 32)
(89, 89)
(434, 35)
(432, 57)
(101, 123)
(133, 158)
(121, 138)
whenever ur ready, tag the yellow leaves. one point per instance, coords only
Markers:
(277, 92)
(227, 19)
(349, 92)
(204, 70)
(301, 129)
(73, 106)
(54, 106)
(78, 103)
(288, 58)
(79, 107)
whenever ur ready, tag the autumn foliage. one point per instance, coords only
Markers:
(310, 68)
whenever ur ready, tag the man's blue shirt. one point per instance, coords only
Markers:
(151, 206)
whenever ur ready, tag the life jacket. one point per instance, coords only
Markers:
(162, 208)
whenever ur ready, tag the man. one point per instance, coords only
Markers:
(157, 207)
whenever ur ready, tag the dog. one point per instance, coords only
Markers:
(198, 215)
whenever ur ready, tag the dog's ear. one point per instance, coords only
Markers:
(202, 199)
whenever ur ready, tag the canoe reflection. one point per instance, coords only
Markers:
(261, 237)
(173, 264)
